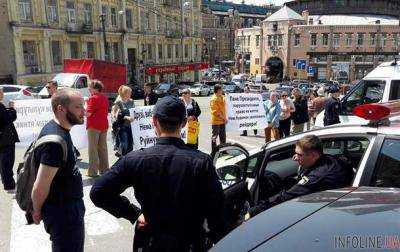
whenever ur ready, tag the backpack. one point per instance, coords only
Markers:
(27, 171)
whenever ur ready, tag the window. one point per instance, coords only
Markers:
(325, 39)
(169, 51)
(25, 10)
(394, 90)
(149, 51)
(336, 39)
(116, 52)
(113, 17)
(104, 12)
(387, 170)
(143, 20)
(186, 51)
(158, 27)
(52, 15)
(160, 51)
(56, 53)
(87, 13)
(248, 40)
(296, 39)
(269, 40)
(177, 54)
(383, 39)
(360, 39)
(257, 61)
(30, 54)
(364, 93)
(257, 40)
(129, 23)
(313, 39)
(196, 51)
(280, 40)
(372, 39)
(90, 50)
(74, 49)
(349, 38)
(71, 12)
(395, 40)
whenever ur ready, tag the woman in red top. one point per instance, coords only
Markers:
(97, 126)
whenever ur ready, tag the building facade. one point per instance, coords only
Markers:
(145, 34)
(249, 50)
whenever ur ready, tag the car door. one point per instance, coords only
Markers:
(231, 161)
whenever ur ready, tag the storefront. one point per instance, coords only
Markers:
(175, 73)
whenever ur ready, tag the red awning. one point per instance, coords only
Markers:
(176, 68)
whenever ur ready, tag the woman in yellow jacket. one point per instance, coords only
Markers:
(218, 117)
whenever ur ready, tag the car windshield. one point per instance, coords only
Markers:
(197, 86)
(65, 79)
(164, 86)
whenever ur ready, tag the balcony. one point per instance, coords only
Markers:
(173, 34)
(76, 29)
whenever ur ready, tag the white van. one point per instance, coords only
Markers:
(381, 85)
(70, 80)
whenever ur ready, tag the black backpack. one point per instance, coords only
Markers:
(27, 172)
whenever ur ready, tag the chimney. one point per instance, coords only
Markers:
(305, 15)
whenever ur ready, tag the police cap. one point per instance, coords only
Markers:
(333, 89)
(170, 109)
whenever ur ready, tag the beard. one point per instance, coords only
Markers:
(73, 119)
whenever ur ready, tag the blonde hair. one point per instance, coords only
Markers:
(123, 89)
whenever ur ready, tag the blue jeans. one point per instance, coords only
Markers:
(65, 224)
(125, 139)
(7, 158)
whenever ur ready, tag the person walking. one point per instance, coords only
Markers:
(177, 188)
(58, 190)
(300, 115)
(8, 138)
(273, 110)
(317, 104)
(121, 115)
(244, 133)
(193, 111)
(332, 107)
(97, 126)
(287, 108)
(218, 117)
(150, 98)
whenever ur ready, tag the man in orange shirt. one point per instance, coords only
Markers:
(218, 117)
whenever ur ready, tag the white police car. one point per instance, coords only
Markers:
(381, 85)
(372, 151)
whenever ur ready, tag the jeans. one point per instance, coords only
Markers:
(284, 127)
(7, 158)
(65, 224)
(218, 131)
(125, 139)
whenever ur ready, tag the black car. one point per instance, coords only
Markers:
(164, 89)
(337, 220)
(137, 92)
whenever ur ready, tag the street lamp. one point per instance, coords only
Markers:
(219, 59)
(103, 20)
(185, 6)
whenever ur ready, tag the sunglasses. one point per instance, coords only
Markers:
(48, 87)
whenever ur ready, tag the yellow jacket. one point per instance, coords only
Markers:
(218, 113)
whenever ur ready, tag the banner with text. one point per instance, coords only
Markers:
(144, 135)
(33, 114)
(245, 111)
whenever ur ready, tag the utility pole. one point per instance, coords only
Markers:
(102, 20)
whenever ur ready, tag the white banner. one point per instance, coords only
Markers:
(33, 114)
(245, 111)
(144, 135)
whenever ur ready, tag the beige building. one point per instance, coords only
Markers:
(249, 50)
(37, 35)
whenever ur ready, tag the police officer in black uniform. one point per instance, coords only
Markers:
(177, 188)
(332, 107)
(317, 172)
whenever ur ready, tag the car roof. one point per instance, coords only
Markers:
(386, 70)
(315, 220)
(17, 86)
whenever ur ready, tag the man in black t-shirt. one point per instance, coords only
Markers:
(58, 191)
(150, 98)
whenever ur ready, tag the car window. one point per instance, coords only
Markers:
(10, 89)
(254, 162)
(394, 90)
(368, 91)
(387, 170)
(81, 83)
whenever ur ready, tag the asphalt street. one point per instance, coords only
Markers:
(103, 231)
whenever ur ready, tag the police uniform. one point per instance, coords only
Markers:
(177, 188)
(326, 174)
(332, 109)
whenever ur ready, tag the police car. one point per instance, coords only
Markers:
(371, 150)
(381, 85)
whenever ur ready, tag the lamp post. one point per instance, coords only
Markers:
(103, 20)
(219, 58)
(184, 6)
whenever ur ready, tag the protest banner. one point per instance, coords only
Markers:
(33, 114)
(245, 112)
(144, 135)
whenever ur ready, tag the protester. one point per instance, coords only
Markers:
(177, 188)
(332, 107)
(121, 115)
(317, 105)
(273, 110)
(317, 172)
(150, 98)
(300, 115)
(193, 111)
(51, 87)
(218, 117)
(57, 192)
(244, 133)
(287, 108)
(8, 138)
(97, 126)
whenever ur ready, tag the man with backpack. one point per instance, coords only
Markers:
(58, 191)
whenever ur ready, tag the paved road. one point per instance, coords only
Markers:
(103, 231)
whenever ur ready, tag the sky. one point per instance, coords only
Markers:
(260, 2)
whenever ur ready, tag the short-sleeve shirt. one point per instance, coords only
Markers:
(67, 183)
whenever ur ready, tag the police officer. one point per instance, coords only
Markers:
(177, 188)
(332, 106)
(317, 172)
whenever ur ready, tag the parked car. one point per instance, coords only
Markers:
(200, 89)
(164, 89)
(231, 87)
(182, 87)
(34, 90)
(16, 92)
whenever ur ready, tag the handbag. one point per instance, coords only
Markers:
(193, 130)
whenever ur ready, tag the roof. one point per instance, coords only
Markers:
(284, 14)
(241, 8)
(361, 19)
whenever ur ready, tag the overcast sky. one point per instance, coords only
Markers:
(260, 2)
